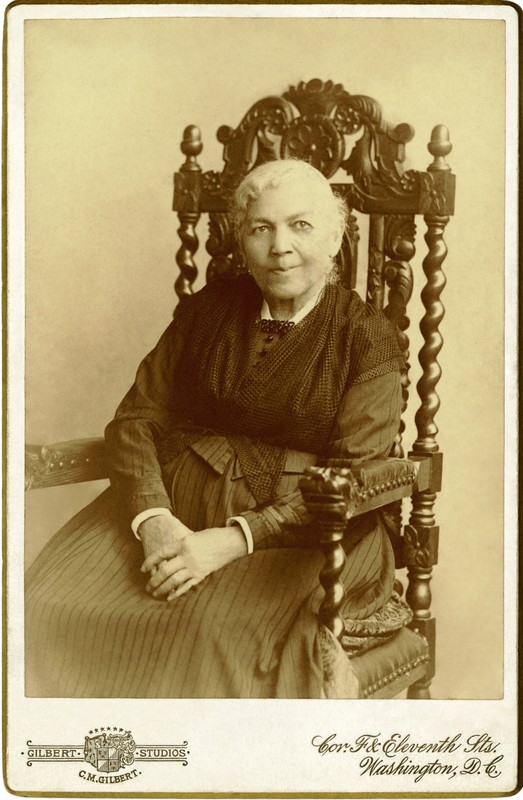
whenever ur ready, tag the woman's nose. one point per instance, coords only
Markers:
(280, 241)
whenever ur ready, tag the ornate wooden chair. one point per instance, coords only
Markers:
(320, 122)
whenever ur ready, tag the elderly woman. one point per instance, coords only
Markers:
(255, 378)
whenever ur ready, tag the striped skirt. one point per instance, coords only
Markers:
(248, 630)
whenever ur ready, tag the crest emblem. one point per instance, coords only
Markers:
(109, 752)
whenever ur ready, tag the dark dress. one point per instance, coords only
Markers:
(249, 629)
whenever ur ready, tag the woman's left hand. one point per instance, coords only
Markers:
(188, 562)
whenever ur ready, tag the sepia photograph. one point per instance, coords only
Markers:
(261, 304)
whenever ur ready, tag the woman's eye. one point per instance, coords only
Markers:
(260, 229)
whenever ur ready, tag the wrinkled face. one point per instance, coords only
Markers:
(288, 242)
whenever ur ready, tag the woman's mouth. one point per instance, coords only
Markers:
(282, 270)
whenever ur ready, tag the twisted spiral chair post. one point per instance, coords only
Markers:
(328, 494)
(187, 192)
(421, 535)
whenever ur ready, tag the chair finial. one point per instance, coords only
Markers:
(439, 147)
(191, 146)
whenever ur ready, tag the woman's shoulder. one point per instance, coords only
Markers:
(219, 292)
(357, 312)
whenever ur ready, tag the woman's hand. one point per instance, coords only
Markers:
(177, 567)
(159, 532)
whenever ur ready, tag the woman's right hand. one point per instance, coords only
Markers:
(161, 531)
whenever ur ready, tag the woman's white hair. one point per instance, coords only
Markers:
(274, 173)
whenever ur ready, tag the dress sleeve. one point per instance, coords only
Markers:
(140, 422)
(365, 428)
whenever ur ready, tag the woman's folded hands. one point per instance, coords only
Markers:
(177, 558)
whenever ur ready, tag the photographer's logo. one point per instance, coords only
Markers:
(110, 751)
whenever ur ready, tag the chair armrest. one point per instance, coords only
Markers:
(334, 492)
(65, 462)
(333, 487)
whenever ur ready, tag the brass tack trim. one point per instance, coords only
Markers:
(397, 673)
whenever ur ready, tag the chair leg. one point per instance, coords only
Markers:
(420, 690)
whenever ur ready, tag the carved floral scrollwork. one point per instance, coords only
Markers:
(431, 198)
(37, 463)
(315, 140)
(253, 141)
(375, 162)
(399, 238)
(374, 278)
(347, 258)
(391, 515)
(220, 234)
(347, 119)
(310, 121)
(67, 462)
(400, 235)
(220, 246)
(212, 182)
(330, 490)
(352, 227)
(187, 188)
(409, 180)
(374, 165)
(419, 549)
(316, 96)
(357, 110)
(398, 275)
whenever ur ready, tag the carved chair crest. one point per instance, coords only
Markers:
(319, 122)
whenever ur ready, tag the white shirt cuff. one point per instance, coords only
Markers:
(149, 512)
(244, 525)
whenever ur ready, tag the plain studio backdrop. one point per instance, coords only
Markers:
(106, 104)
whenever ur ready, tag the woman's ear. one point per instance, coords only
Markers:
(336, 240)
(241, 250)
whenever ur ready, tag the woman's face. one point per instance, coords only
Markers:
(288, 242)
